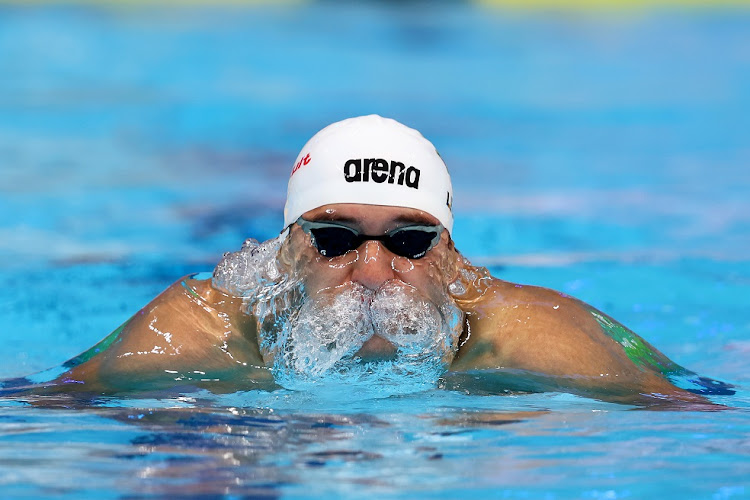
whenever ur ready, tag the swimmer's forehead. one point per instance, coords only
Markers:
(370, 217)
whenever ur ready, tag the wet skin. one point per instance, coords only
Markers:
(516, 338)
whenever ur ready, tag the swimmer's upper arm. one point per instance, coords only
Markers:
(190, 332)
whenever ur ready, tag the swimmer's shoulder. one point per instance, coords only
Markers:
(189, 328)
(562, 343)
(538, 329)
(194, 296)
(199, 287)
(186, 317)
(545, 304)
(506, 301)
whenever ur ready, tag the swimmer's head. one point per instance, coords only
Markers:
(370, 160)
(358, 285)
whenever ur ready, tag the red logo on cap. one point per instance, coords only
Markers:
(303, 161)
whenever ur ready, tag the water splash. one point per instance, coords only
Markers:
(321, 345)
(311, 338)
(244, 272)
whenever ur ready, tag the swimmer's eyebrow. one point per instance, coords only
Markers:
(414, 219)
(334, 218)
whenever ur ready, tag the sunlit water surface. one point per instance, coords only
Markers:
(604, 155)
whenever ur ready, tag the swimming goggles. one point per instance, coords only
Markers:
(333, 239)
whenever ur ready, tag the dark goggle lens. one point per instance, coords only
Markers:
(334, 241)
(411, 243)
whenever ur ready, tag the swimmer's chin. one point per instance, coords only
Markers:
(376, 348)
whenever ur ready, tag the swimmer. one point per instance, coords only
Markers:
(364, 286)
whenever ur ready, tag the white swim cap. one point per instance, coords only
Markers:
(370, 160)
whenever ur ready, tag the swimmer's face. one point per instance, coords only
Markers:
(372, 264)
(366, 315)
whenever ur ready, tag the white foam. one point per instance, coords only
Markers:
(311, 338)
(327, 331)
(403, 317)
(243, 272)
(320, 345)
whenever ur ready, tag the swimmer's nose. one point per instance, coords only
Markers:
(373, 268)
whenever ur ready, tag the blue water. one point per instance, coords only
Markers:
(602, 154)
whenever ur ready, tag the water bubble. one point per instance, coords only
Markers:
(401, 316)
(328, 329)
(311, 338)
(457, 288)
(319, 345)
(241, 273)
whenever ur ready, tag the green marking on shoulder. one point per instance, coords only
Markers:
(102, 346)
(190, 290)
(641, 354)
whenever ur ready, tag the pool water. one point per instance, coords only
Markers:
(601, 153)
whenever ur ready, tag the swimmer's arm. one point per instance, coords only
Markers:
(190, 334)
(544, 340)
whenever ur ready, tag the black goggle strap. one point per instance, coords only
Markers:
(387, 239)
